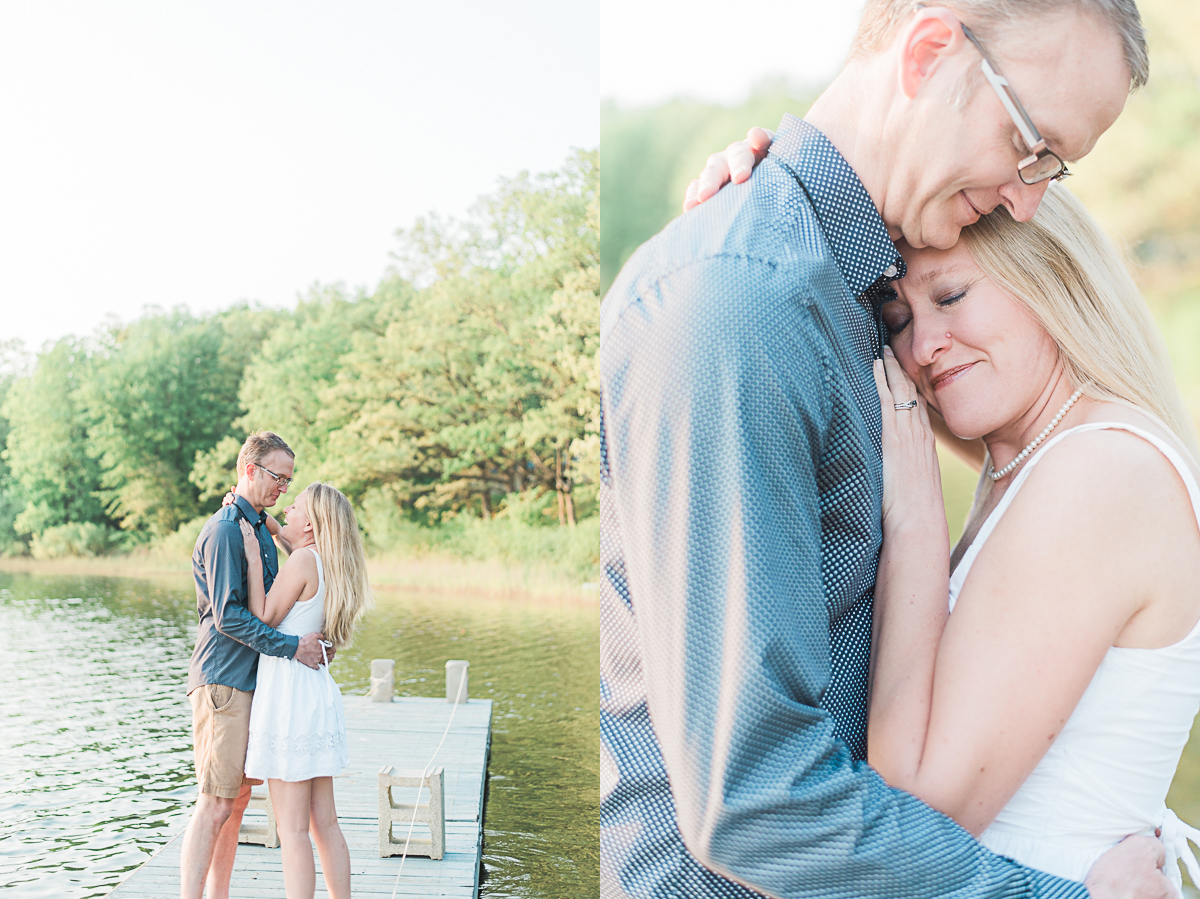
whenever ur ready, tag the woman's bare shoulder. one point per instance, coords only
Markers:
(301, 561)
(1109, 488)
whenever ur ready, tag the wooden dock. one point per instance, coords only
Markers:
(403, 733)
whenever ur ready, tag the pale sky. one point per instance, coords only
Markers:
(715, 51)
(204, 153)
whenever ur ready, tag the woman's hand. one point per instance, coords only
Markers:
(734, 163)
(249, 543)
(912, 583)
(912, 479)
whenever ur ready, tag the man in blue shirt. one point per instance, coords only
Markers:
(221, 675)
(741, 470)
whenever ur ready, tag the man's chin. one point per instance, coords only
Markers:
(940, 239)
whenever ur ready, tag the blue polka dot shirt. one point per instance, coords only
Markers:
(740, 531)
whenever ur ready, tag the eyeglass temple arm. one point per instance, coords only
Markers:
(1029, 133)
(1034, 141)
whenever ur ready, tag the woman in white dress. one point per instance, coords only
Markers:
(1048, 711)
(297, 724)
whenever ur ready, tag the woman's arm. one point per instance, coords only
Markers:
(297, 579)
(1056, 583)
(912, 583)
(256, 598)
(274, 528)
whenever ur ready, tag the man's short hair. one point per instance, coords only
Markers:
(257, 447)
(993, 19)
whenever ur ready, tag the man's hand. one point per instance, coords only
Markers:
(1131, 870)
(734, 163)
(309, 651)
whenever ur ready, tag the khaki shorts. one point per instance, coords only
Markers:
(220, 731)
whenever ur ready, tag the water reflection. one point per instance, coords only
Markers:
(95, 759)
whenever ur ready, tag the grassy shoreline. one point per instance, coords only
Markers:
(426, 573)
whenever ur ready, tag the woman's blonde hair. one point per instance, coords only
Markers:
(1074, 282)
(347, 590)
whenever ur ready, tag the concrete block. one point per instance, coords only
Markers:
(395, 817)
(383, 679)
(264, 835)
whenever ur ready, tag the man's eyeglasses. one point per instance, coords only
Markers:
(279, 479)
(1041, 163)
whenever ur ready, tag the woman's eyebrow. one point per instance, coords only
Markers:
(927, 276)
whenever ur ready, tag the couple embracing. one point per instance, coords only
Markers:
(264, 706)
(806, 691)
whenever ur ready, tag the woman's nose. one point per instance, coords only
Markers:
(930, 340)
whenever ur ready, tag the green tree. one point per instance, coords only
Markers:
(46, 451)
(163, 389)
(284, 385)
(13, 362)
(451, 406)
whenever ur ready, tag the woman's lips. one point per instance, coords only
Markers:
(948, 377)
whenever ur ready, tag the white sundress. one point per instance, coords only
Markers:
(1107, 774)
(297, 723)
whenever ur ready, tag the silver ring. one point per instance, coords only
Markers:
(911, 404)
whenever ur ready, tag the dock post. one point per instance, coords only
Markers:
(432, 813)
(458, 679)
(383, 675)
(267, 835)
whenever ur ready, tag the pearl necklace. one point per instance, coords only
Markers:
(1036, 441)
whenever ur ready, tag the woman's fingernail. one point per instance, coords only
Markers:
(887, 351)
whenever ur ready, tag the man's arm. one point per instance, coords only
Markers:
(224, 565)
(716, 414)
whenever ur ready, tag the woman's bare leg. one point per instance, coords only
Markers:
(331, 845)
(292, 802)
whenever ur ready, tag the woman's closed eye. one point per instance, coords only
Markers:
(950, 300)
(896, 316)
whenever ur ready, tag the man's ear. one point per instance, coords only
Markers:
(925, 42)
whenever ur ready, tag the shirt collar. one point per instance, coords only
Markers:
(252, 515)
(864, 252)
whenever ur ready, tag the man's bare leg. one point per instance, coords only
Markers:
(220, 869)
(200, 841)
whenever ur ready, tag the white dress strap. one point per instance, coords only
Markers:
(985, 531)
(320, 573)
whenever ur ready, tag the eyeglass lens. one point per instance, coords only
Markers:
(1045, 166)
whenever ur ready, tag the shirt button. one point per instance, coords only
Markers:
(891, 271)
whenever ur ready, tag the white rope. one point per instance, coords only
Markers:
(462, 682)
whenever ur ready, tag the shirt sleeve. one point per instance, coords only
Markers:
(225, 564)
(716, 417)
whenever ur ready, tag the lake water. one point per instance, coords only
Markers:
(95, 728)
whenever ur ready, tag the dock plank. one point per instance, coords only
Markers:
(403, 733)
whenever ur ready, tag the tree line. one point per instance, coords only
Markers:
(463, 385)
